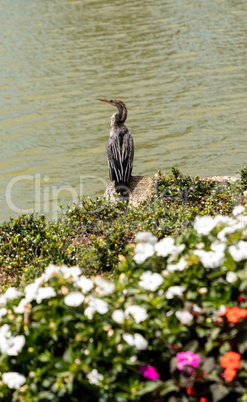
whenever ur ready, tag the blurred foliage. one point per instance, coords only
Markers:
(81, 341)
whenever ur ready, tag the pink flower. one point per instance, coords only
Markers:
(149, 372)
(187, 358)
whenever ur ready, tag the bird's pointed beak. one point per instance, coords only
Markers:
(103, 100)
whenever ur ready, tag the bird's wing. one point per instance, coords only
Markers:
(120, 154)
(114, 161)
(128, 158)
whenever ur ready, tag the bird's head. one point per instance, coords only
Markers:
(121, 116)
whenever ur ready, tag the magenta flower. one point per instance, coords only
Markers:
(149, 372)
(187, 358)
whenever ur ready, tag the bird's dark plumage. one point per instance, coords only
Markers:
(120, 147)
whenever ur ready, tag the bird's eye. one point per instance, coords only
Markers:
(111, 100)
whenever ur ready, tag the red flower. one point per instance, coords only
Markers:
(241, 299)
(230, 374)
(231, 360)
(203, 399)
(231, 363)
(233, 314)
(190, 391)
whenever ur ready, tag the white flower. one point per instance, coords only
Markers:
(104, 288)
(179, 266)
(85, 284)
(165, 246)
(136, 340)
(145, 237)
(94, 377)
(9, 344)
(51, 270)
(21, 306)
(228, 230)
(239, 252)
(196, 308)
(175, 291)
(45, 293)
(203, 290)
(139, 313)
(218, 247)
(142, 252)
(13, 379)
(238, 210)
(129, 339)
(221, 311)
(242, 219)
(210, 259)
(14, 345)
(231, 277)
(3, 311)
(74, 299)
(98, 305)
(224, 219)
(73, 272)
(176, 251)
(12, 293)
(31, 291)
(185, 317)
(118, 316)
(150, 281)
(204, 224)
(89, 312)
(140, 342)
(4, 333)
(3, 301)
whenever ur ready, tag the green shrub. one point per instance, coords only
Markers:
(170, 327)
(93, 233)
(244, 177)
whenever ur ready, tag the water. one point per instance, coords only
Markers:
(179, 65)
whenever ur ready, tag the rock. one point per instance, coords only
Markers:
(140, 188)
(221, 179)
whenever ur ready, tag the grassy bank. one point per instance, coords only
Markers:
(94, 233)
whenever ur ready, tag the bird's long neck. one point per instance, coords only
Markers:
(121, 116)
(115, 121)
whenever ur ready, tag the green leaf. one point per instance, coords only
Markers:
(45, 357)
(208, 364)
(68, 355)
(242, 345)
(169, 386)
(243, 285)
(148, 387)
(219, 391)
(191, 346)
(225, 347)
(209, 345)
(173, 364)
(215, 333)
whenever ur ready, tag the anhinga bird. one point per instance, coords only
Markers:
(120, 148)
